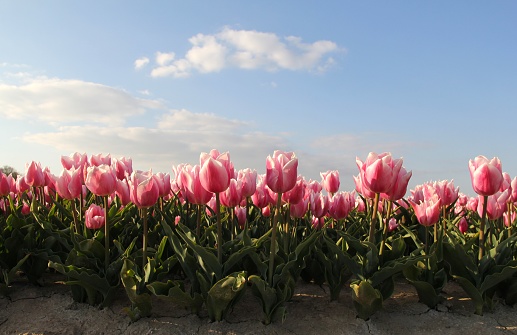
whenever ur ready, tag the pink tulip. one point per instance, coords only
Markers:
(341, 204)
(330, 181)
(5, 185)
(399, 189)
(100, 180)
(379, 172)
(496, 205)
(312, 186)
(34, 175)
(427, 211)
(248, 180)
(509, 219)
(164, 184)
(232, 196)
(214, 173)
(317, 222)
(100, 159)
(75, 160)
(392, 224)
(463, 225)
(514, 189)
(299, 209)
(122, 191)
(123, 167)
(281, 171)
(94, 217)
(361, 189)
(143, 189)
(240, 213)
(21, 185)
(194, 191)
(296, 194)
(486, 175)
(68, 184)
(261, 197)
(319, 204)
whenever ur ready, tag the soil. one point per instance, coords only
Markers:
(49, 309)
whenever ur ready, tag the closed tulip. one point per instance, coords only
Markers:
(214, 173)
(330, 181)
(94, 217)
(486, 175)
(496, 205)
(194, 191)
(143, 188)
(399, 188)
(68, 184)
(341, 204)
(232, 196)
(34, 175)
(281, 171)
(379, 172)
(5, 185)
(100, 180)
(428, 211)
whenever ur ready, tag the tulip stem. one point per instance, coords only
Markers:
(386, 228)
(371, 237)
(272, 250)
(144, 238)
(482, 229)
(219, 229)
(106, 236)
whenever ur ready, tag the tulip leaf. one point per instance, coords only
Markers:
(224, 294)
(367, 299)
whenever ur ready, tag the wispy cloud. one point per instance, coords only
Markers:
(61, 101)
(246, 49)
(141, 63)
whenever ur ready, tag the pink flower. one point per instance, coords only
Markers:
(164, 184)
(215, 173)
(509, 220)
(122, 191)
(34, 175)
(379, 172)
(296, 194)
(341, 204)
(194, 191)
(5, 184)
(248, 180)
(143, 189)
(361, 189)
(330, 181)
(318, 204)
(427, 211)
(232, 196)
(281, 171)
(123, 167)
(392, 224)
(299, 209)
(100, 180)
(446, 191)
(94, 217)
(486, 175)
(240, 212)
(463, 225)
(496, 205)
(399, 189)
(68, 184)
(317, 222)
(261, 197)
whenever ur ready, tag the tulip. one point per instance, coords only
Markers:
(143, 189)
(123, 167)
(248, 180)
(261, 197)
(330, 181)
(100, 159)
(379, 172)
(232, 196)
(297, 193)
(5, 185)
(399, 188)
(299, 209)
(486, 175)
(100, 180)
(75, 160)
(281, 176)
(194, 191)
(318, 204)
(281, 171)
(68, 184)
(392, 225)
(341, 204)
(94, 217)
(317, 222)
(496, 205)
(122, 191)
(34, 176)
(427, 213)
(463, 225)
(214, 174)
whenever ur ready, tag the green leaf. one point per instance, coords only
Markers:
(173, 291)
(367, 299)
(141, 305)
(224, 294)
(472, 292)
(272, 306)
(426, 293)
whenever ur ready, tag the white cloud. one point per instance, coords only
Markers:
(59, 101)
(246, 49)
(141, 63)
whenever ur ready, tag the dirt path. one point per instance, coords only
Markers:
(50, 310)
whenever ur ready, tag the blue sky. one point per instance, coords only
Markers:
(433, 82)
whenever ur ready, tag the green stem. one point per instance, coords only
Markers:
(482, 229)
(219, 230)
(272, 250)
(371, 237)
(106, 236)
(144, 238)
(198, 221)
(386, 227)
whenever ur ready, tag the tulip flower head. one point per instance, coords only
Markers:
(100, 180)
(379, 172)
(486, 175)
(281, 171)
(94, 217)
(143, 188)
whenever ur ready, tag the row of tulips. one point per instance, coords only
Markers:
(202, 236)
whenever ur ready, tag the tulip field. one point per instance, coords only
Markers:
(202, 235)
